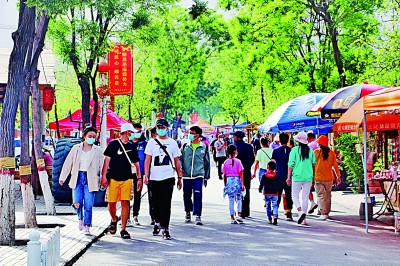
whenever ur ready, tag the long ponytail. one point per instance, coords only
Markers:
(304, 151)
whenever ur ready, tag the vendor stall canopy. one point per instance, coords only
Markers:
(336, 103)
(382, 108)
(74, 121)
(291, 117)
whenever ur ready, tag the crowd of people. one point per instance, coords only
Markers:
(286, 173)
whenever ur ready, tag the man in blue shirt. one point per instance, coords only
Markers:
(140, 142)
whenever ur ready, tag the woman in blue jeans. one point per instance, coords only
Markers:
(84, 162)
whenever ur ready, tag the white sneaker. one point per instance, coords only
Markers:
(129, 223)
(239, 219)
(80, 225)
(322, 218)
(86, 230)
(136, 220)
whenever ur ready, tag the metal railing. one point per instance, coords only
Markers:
(46, 253)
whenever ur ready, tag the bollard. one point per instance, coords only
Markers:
(397, 223)
(34, 249)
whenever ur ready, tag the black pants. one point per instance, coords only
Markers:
(150, 199)
(220, 161)
(137, 198)
(282, 185)
(161, 199)
(246, 199)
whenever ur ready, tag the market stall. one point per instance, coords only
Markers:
(378, 112)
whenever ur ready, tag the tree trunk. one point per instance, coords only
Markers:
(83, 81)
(28, 202)
(43, 176)
(96, 101)
(21, 38)
(337, 55)
(38, 44)
(25, 164)
(262, 98)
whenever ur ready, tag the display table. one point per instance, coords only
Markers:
(388, 186)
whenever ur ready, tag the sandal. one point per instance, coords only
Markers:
(112, 228)
(125, 234)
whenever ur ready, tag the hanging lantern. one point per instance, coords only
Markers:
(48, 98)
(102, 90)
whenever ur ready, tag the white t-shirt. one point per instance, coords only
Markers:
(160, 168)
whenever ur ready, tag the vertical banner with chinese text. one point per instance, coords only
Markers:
(120, 72)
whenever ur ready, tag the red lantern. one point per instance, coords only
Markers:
(48, 98)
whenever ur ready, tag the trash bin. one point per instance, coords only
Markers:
(362, 211)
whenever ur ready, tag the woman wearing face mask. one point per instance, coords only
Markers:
(84, 162)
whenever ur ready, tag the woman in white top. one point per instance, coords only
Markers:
(84, 162)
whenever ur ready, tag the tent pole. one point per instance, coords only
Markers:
(365, 172)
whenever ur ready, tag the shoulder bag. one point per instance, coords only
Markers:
(133, 167)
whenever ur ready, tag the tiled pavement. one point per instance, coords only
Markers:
(73, 241)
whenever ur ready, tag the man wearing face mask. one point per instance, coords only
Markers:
(220, 147)
(120, 163)
(195, 162)
(140, 143)
(162, 160)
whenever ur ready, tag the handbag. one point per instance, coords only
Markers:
(133, 168)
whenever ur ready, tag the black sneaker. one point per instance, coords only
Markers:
(166, 235)
(289, 216)
(152, 222)
(156, 230)
(302, 216)
(275, 221)
(187, 217)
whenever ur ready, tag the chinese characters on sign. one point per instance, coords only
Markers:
(120, 71)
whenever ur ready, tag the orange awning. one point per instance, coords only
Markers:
(386, 99)
(352, 119)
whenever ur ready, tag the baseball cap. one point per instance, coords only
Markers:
(127, 127)
(162, 122)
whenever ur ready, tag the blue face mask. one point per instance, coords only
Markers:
(132, 136)
(191, 137)
(161, 132)
(90, 141)
(137, 135)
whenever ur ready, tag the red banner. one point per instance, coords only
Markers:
(120, 71)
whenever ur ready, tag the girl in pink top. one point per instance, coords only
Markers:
(233, 180)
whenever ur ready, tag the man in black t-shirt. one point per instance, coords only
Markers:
(281, 157)
(121, 166)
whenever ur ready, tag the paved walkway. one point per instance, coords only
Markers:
(73, 242)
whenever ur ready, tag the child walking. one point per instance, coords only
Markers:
(233, 180)
(269, 185)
